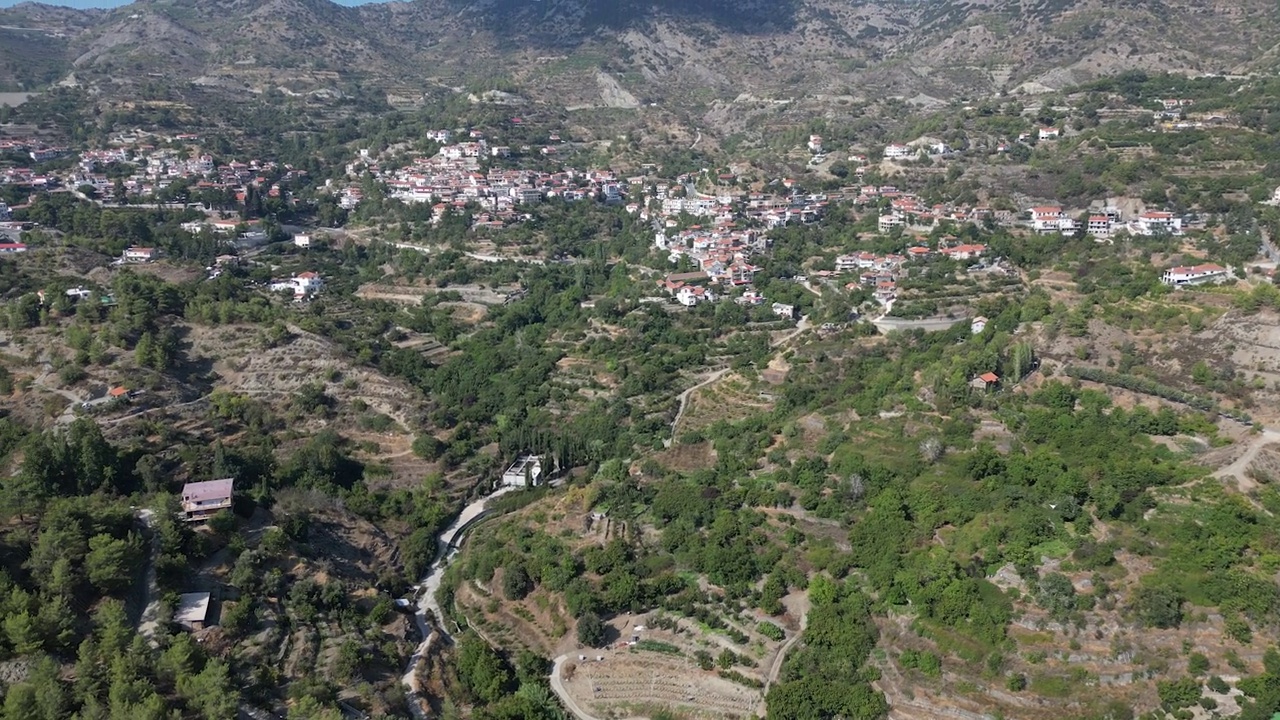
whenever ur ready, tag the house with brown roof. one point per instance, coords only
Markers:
(203, 500)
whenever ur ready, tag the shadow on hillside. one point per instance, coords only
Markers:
(521, 18)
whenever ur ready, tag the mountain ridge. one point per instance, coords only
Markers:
(713, 49)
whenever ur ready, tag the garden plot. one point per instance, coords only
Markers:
(629, 682)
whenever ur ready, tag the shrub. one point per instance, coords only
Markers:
(1158, 606)
(771, 631)
(1179, 694)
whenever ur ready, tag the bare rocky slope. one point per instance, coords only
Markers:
(697, 50)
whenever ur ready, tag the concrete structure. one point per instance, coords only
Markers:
(526, 471)
(193, 610)
(1099, 226)
(202, 500)
(1194, 275)
(302, 241)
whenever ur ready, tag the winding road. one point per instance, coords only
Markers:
(432, 630)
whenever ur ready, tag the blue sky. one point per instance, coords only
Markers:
(118, 3)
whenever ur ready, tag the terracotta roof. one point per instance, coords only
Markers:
(989, 377)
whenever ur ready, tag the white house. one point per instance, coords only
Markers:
(224, 227)
(139, 254)
(784, 310)
(815, 143)
(308, 281)
(302, 241)
(1194, 275)
(887, 222)
(691, 295)
(964, 252)
(1157, 223)
(1051, 220)
(1049, 133)
(897, 151)
(977, 325)
(302, 285)
(526, 471)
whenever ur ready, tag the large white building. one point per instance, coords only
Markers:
(1194, 275)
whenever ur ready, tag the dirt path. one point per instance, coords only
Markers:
(717, 375)
(557, 686)
(684, 398)
(801, 607)
(149, 623)
(68, 415)
(1239, 468)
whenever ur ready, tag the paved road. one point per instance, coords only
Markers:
(433, 631)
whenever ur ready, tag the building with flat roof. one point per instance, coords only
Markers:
(193, 610)
(203, 500)
(526, 471)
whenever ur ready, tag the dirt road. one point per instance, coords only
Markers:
(1239, 468)
(717, 375)
(557, 686)
(684, 398)
(149, 623)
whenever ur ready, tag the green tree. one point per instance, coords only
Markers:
(484, 675)
(210, 692)
(112, 564)
(516, 583)
(591, 630)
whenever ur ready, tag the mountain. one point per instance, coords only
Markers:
(624, 52)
